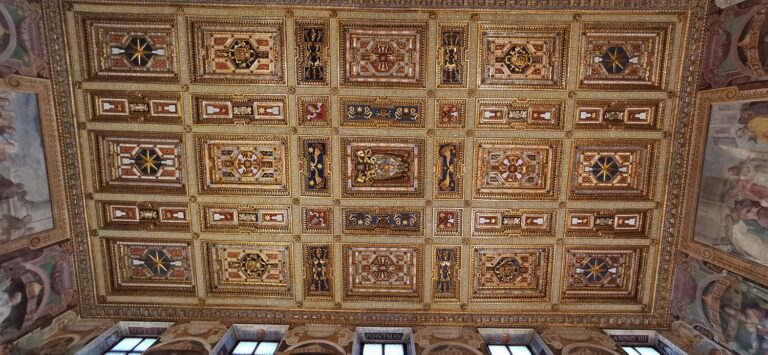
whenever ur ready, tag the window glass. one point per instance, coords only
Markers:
(126, 344)
(373, 349)
(498, 350)
(519, 350)
(266, 348)
(131, 346)
(245, 348)
(144, 345)
(394, 349)
(646, 350)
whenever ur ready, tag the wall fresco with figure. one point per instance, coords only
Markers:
(196, 337)
(25, 200)
(732, 212)
(22, 49)
(736, 52)
(67, 334)
(33, 211)
(721, 305)
(34, 287)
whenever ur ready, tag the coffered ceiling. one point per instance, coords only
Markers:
(305, 164)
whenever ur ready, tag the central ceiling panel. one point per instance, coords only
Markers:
(306, 163)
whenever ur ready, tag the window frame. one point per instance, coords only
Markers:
(402, 336)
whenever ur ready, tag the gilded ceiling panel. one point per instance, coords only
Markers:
(297, 161)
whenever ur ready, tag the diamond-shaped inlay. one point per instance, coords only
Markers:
(157, 262)
(596, 269)
(605, 168)
(147, 161)
(615, 60)
(139, 51)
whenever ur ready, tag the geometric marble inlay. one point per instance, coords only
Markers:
(246, 52)
(382, 272)
(240, 109)
(623, 57)
(624, 114)
(510, 273)
(523, 56)
(139, 162)
(246, 268)
(248, 218)
(121, 106)
(604, 168)
(243, 164)
(608, 224)
(155, 267)
(379, 54)
(129, 50)
(596, 273)
(519, 114)
(509, 223)
(523, 169)
(126, 215)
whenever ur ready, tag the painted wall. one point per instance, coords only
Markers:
(714, 302)
(37, 286)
